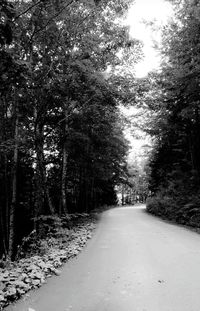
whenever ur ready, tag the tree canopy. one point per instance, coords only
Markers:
(175, 161)
(62, 146)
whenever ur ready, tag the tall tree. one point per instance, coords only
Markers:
(62, 147)
(175, 160)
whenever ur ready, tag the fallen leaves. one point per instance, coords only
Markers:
(30, 273)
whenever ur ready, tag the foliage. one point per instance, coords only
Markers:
(62, 148)
(45, 257)
(175, 161)
(133, 187)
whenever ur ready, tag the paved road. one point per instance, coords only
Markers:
(135, 262)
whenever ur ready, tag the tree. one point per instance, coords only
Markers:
(175, 159)
(61, 136)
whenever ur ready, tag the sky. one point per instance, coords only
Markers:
(148, 10)
(158, 11)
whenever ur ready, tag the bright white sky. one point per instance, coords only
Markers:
(148, 10)
(158, 11)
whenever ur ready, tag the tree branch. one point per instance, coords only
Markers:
(28, 9)
(52, 18)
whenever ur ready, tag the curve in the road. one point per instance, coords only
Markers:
(134, 262)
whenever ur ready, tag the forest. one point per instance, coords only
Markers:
(66, 68)
(62, 146)
(174, 163)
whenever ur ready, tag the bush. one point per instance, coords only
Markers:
(160, 205)
(182, 209)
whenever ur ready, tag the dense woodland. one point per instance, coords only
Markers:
(62, 147)
(66, 68)
(66, 73)
(174, 103)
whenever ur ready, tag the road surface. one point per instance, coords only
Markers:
(134, 262)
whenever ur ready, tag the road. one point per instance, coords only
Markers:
(134, 262)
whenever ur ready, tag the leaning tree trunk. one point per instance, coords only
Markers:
(14, 188)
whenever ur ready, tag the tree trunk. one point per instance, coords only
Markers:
(4, 208)
(14, 188)
(3, 232)
(122, 194)
(6, 189)
(63, 181)
(64, 207)
(42, 189)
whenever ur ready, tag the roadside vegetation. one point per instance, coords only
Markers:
(64, 73)
(66, 69)
(62, 79)
(174, 179)
(43, 253)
